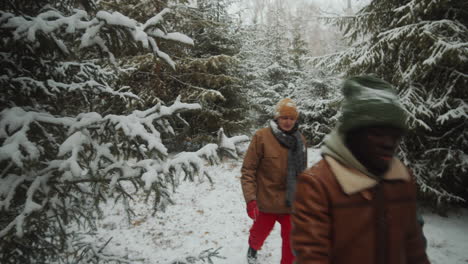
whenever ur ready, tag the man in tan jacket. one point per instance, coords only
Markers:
(358, 204)
(276, 155)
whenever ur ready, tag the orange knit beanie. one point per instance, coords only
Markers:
(286, 107)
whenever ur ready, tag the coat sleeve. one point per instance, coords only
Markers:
(416, 252)
(311, 231)
(249, 169)
(415, 241)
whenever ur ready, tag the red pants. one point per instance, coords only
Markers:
(262, 227)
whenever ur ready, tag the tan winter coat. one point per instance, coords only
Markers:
(342, 216)
(264, 172)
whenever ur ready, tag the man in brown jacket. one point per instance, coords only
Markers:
(276, 155)
(358, 204)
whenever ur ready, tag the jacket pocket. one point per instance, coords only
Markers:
(270, 163)
(274, 174)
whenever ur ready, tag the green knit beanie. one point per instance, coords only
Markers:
(370, 101)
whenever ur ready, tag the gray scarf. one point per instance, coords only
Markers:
(296, 157)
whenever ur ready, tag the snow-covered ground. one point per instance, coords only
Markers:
(213, 217)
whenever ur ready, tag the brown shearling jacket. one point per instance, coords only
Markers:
(342, 216)
(264, 173)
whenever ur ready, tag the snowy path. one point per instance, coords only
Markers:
(203, 217)
(206, 216)
(448, 237)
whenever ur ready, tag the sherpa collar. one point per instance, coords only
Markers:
(353, 181)
(350, 173)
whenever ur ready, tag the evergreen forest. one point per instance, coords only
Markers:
(99, 95)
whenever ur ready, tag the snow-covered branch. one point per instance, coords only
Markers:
(94, 31)
(228, 145)
(89, 154)
(71, 131)
(422, 49)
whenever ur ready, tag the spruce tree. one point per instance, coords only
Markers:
(275, 59)
(210, 73)
(72, 134)
(206, 73)
(420, 47)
